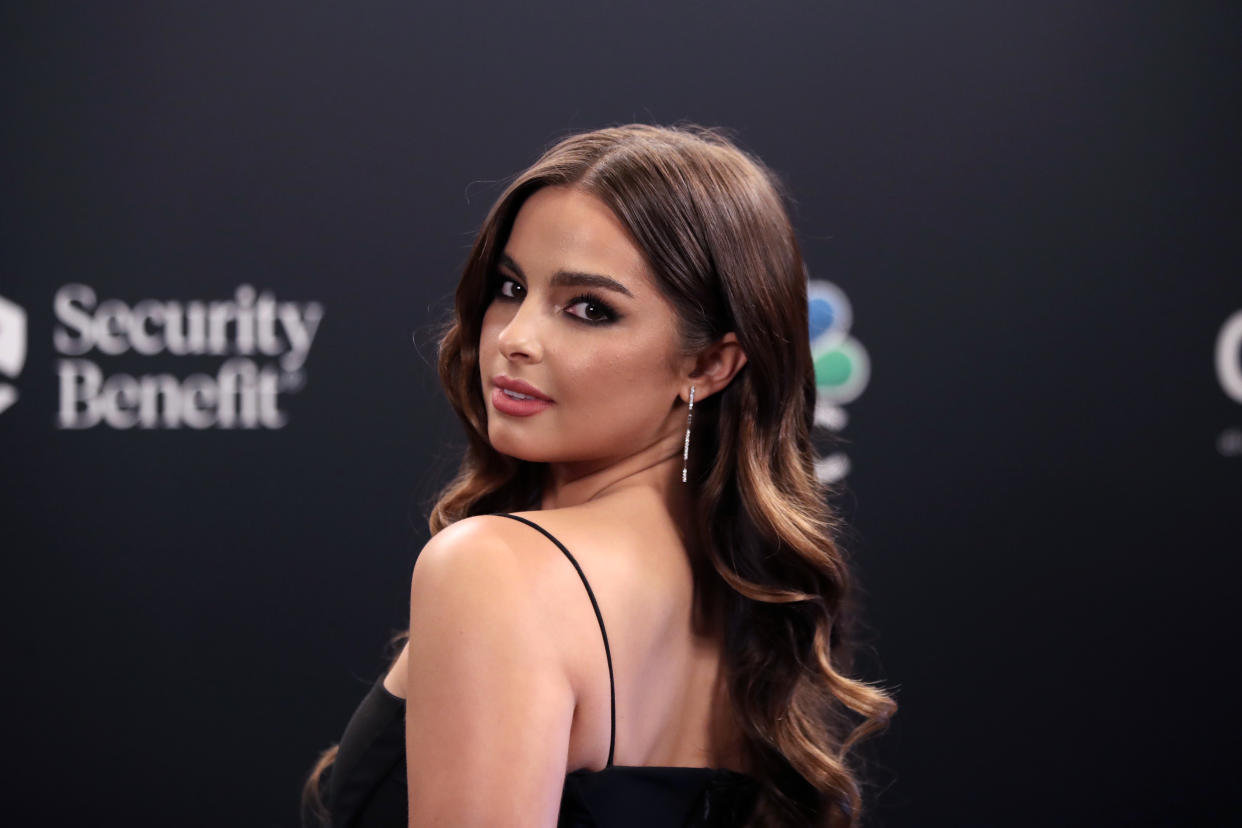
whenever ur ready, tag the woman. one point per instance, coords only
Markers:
(631, 609)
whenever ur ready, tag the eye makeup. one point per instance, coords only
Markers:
(593, 301)
(605, 312)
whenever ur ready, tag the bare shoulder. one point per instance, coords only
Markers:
(496, 573)
(488, 679)
(486, 568)
(631, 558)
(631, 555)
(629, 541)
(489, 552)
(472, 542)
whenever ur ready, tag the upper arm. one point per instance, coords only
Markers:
(489, 700)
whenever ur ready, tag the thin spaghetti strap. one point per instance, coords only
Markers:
(612, 690)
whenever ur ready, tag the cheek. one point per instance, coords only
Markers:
(625, 384)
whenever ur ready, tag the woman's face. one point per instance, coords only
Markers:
(575, 314)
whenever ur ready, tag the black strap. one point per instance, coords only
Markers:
(612, 691)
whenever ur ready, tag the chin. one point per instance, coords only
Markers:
(512, 445)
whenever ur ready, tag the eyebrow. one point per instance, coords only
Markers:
(573, 278)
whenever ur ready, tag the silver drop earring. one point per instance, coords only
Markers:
(685, 451)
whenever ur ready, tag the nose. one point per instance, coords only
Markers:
(519, 339)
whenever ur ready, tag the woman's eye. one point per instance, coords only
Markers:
(509, 288)
(591, 311)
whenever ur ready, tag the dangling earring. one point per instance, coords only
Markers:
(685, 451)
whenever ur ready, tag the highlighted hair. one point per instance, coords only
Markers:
(712, 224)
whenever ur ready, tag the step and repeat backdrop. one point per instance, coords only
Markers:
(230, 231)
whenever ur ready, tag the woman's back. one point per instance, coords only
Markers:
(669, 710)
(672, 752)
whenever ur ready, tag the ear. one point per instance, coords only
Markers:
(714, 367)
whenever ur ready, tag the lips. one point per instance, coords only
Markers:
(504, 398)
(519, 387)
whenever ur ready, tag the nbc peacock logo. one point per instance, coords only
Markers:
(12, 348)
(842, 368)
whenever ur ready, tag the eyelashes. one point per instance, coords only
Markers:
(498, 283)
(604, 312)
(601, 307)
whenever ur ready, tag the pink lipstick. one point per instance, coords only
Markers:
(517, 398)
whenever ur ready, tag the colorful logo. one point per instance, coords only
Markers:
(12, 348)
(842, 367)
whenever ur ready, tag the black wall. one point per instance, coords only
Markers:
(1033, 210)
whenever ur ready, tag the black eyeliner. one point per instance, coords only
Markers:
(597, 301)
(498, 279)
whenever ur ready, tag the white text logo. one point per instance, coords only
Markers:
(245, 390)
(12, 348)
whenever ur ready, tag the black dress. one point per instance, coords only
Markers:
(367, 783)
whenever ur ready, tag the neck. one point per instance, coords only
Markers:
(655, 468)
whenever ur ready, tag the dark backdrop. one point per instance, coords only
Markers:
(1032, 208)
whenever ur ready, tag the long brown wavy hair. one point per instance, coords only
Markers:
(712, 223)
